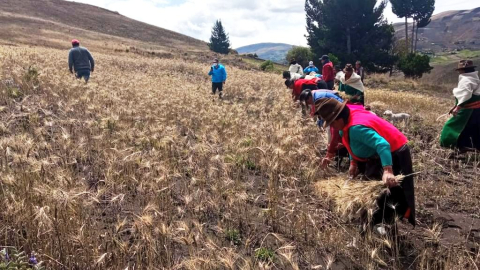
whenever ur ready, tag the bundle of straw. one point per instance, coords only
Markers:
(351, 197)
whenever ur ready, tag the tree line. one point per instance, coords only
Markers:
(352, 30)
(357, 30)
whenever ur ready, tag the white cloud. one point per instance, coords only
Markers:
(247, 21)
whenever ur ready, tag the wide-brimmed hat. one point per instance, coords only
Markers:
(464, 64)
(328, 109)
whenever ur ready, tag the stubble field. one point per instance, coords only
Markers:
(143, 168)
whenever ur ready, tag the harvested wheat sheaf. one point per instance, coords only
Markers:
(351, 197)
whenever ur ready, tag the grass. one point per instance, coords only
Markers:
(443, 59)
(256, 64)
(133, 171)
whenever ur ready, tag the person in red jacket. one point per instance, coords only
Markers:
(328, 72)
(299, 85)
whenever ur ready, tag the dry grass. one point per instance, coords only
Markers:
(143, 169)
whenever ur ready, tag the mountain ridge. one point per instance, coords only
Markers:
(32, 17)
(449, 31)
(275, 52)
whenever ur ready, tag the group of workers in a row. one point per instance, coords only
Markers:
(376, 148)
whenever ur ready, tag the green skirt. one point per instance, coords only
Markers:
(455, 126)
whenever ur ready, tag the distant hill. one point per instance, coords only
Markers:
(448, 31)
(54, 22)
(275, 52)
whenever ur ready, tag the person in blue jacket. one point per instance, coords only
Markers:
(219, 76)
(311, 68)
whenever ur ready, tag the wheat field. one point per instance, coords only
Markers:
(142, 168)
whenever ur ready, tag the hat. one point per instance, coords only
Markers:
(324, 57)
(348, 67)
(464, 64)
(328, 109)
(75, 41)
(310, 63)
(215, 60)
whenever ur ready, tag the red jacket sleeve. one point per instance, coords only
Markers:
(297, 89)
(335, 142)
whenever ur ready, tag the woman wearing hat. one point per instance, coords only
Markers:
(377, 149)
(308, 98)
(462, 131)
(351, 84)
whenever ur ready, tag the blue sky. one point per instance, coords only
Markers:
(247, 21)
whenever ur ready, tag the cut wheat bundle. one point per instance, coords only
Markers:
(352, 197)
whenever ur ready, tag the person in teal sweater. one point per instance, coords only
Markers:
(378, 150)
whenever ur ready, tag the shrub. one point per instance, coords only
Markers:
(334, 59)
(267, 66)
(301, 54)
(414, 65)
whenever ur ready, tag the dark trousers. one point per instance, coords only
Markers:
(322, 85)
(470, 136)
(217, 86)
(401, 197)
(331, 85)
(83, 73)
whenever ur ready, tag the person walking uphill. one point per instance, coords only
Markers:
(328, 72)
(80, 60)
(219, 76)
(382, 148)
(462, 131)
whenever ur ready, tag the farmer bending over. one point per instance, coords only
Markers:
(299, 85)
(334, 140)
(81, 60)
(377, 149)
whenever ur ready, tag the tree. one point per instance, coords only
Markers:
(351, 30)
(423, 11)
(267, 66)
(301, 54)
(414, 65)
(315, 26)
(219, 41)
(403, 8)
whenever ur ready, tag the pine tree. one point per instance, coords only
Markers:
(315, 26)
(219, 41)
(351, 30)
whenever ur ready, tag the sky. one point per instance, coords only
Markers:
(246, 21)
